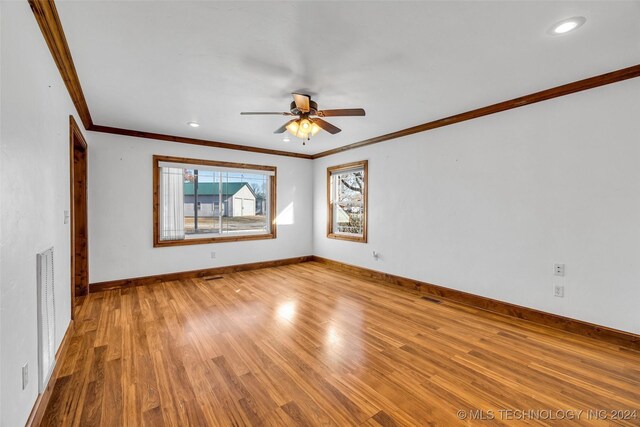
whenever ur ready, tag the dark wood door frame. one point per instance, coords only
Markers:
(78, 213)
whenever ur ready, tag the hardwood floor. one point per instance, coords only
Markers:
(306, 345)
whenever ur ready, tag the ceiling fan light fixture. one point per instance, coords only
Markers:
(303, 128)
(292, 128)
(302, 133)
(314, 128)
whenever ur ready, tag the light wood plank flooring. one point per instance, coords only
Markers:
(306, 345)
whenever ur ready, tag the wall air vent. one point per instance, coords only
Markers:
(46, 318)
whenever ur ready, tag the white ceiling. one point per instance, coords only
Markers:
(155, 65)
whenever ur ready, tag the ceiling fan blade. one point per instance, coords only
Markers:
(264, 113)
(342, 112)
(282, 128)
(327, 126)
(302, 102)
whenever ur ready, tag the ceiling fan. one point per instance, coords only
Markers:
(308, 119)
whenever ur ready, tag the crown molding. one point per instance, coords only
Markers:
(555, 92)
(49, 22)
(194, 141)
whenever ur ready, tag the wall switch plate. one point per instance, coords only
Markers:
(213, 255)
(558, 291)
(558, 269)
(66, 217)
(25, 375)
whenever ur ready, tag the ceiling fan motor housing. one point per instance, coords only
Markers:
(313, 108)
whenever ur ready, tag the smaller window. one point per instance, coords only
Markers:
(347, 202)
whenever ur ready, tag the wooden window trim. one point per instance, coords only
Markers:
(156, 202)
(364, 164)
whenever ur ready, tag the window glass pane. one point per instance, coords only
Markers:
(348, 201)
(213, 203)
(200, 216)
(244, 198)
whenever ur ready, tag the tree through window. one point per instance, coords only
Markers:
(347, 197)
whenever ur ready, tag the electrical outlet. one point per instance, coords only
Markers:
(558, 291)
(213, 255)
(558, 269)
(25, 375)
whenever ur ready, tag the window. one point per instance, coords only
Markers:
(202, 201)
(347, 202)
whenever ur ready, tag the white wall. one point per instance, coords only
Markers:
(503, 198)
(34, 192)
(121, 207)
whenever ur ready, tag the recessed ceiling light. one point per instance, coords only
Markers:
(193, 124)
(568, 25)
(285, 139)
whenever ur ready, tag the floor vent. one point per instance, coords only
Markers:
(433, 300)
(208, 278)
(46, 318)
